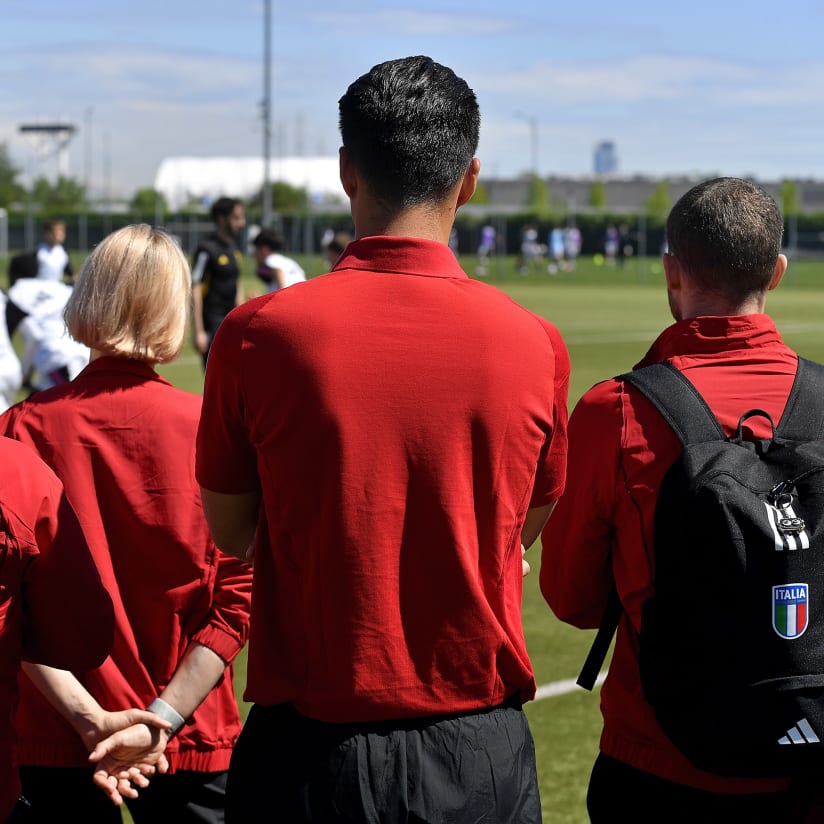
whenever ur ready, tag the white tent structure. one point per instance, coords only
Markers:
(181, 179)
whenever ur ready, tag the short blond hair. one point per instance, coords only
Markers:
(131, 298)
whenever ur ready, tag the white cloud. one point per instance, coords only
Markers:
(651, 77)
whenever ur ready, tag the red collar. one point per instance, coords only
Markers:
(401, 255)
(115, 363)
(710, 335)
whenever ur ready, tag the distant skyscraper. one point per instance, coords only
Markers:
(605, 160)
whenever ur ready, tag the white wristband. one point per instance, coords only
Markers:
(168, 713)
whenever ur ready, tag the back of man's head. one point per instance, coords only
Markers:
(726, 234)
(411, 129)
(271, 239)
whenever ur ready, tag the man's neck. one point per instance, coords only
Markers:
(429, 222)
(718, 307)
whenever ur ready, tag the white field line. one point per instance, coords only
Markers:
(563, 687)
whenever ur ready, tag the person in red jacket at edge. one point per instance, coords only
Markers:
(410, 435)
(122, 440)
(724, 257)
(54, 609)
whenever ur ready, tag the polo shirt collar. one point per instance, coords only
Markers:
(711, 335)
(123, 365)
(401, 255)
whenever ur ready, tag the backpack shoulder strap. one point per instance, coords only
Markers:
(683, 408)
(678, 401)
(803, 417)
(600, 645)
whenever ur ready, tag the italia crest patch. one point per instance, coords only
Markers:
(790, 610)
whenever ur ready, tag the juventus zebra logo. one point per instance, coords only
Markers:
(789, 531)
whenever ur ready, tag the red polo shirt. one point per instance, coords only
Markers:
(399, 419)
(602, 528)
(122, 440)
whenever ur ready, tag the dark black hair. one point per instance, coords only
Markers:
(339, 242)
(49, 225)
(411, 128)
(726, 233)
(271, 238)
(23, 265)
(223, 207)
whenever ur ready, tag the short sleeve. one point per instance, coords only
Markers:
(226, 461)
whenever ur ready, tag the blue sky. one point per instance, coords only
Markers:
(702, 88)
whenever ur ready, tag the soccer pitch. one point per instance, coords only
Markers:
(608, 318)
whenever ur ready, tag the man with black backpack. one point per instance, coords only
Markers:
(708, 547)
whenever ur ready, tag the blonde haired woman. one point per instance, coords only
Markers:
(121, 439)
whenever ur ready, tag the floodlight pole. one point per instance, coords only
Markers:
(87, 168)
(267, 112)
(60, 135)
(532, 120)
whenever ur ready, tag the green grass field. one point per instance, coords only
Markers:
(608, 318)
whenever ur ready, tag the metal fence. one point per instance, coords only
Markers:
(304, 232)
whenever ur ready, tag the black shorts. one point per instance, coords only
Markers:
(68, 794)
(477, 767)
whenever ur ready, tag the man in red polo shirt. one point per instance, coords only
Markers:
(385, 437)
(724, 240)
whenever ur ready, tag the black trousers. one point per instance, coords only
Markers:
(618, 793)
(68, 794)
(478, 767)
(20, 813)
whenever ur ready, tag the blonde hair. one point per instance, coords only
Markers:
(131, 298)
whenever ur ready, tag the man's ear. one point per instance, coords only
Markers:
(348, 174)
(780, 268)
(469, 182)
(672, 271)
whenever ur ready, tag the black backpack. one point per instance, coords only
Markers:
(732, 640)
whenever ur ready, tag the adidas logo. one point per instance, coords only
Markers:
(801, 733)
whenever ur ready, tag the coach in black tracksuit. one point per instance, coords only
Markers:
(216, 273)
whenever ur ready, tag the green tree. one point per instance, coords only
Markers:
(789, 197)
(537, 195)
(10, 190)
(658, 203)
(148, 202)
(598, 195)
(67, 195)
(285, 198)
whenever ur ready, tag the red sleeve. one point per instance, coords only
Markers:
(69, 617)
(552, 465)
(227, 628)
(226, 461)
(576, 556)
(7, 420)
